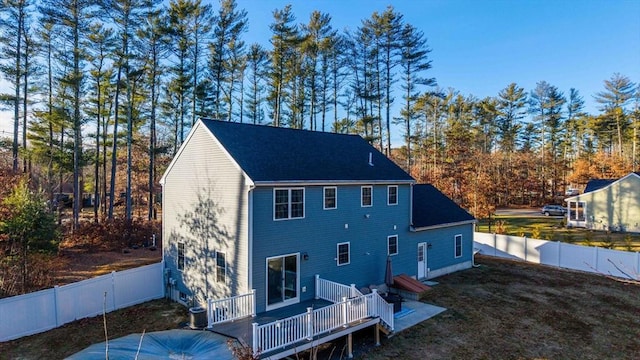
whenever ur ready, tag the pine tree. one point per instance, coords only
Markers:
(614, 99)
(414, 61)
(284, 40)
(73, 17)
(180, 87)
(201, 20)
(512, 102)
(100, 42)
(13, 23)
(314, 46)
(546, 104)
(486, 114)
(154, 45)
(257, 63)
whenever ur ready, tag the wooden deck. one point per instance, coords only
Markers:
(242, 329)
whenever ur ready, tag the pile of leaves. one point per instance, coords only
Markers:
(112, 235)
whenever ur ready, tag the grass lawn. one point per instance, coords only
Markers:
(69, 339)
(553, 228)
(514, 310)
(500, 310)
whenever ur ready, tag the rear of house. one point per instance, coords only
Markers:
(267, 209)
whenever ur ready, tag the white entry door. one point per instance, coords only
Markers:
(422, 260)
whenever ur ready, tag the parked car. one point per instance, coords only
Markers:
(555, 210)
(62, 200)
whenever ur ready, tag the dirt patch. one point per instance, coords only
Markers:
(75, 265)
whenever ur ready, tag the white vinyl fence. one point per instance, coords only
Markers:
(47, 309)
(617, 263)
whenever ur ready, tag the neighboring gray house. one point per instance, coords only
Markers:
(249, 207)
(607, 205)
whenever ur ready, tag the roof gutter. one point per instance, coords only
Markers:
(439, 226)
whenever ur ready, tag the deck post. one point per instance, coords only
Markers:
(344, 312)
(350, 345)
(253, 302)
(254, 328)
(376, 329)
(353, 290)
(310, 323)
(317, 277)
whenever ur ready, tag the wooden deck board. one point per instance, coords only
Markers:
(241, 329)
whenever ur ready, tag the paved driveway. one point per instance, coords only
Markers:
(528, 212)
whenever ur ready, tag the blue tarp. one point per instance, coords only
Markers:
(170, 344)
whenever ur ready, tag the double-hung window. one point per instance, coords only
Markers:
(366, 196)
(458, 246)
(288, 203)
(392, 245)
(181, 256)
(330, 198)
(343, 257)
(221, 267)
(392, 195)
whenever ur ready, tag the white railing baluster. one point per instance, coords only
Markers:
(333, 291)
(349, 306)
(229, 309)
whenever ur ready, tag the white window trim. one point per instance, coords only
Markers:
(304, 203)
(184, 256)
(455, 245)
(388, 193)
(225, 267)
(324, 197)
(397, 245)
(362, 196)
(348, 253)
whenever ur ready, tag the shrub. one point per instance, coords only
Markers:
(536, 233)
(608, 242)
(588, 239)
(628, 242)
(501, 227)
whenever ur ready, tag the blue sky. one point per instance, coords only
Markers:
(479, 47)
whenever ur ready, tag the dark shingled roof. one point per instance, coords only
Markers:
(269, 154)
(595, 184)
(431, 208)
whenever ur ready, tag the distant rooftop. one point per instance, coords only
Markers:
(596, 184)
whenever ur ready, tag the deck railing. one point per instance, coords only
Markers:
(229, 309)
(333, 291)
(377, 306)
(285, 332)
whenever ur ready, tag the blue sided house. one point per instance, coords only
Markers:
(268, 211)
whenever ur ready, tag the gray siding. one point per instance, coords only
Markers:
(205, 206)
